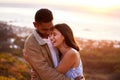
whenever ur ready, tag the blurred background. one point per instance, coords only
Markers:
(95, 23)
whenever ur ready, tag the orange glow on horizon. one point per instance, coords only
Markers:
(94, 6)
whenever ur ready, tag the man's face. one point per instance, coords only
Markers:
(44, 29)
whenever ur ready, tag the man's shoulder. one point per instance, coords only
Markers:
(30, 38)
(30, 42)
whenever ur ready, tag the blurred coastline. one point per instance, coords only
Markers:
(84, 25)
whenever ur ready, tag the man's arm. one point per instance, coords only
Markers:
(40, 64)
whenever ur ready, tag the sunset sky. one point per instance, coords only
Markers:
(95, 4)
(102, 7)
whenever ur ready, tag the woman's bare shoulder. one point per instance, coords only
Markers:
(72, 52)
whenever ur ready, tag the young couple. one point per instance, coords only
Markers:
(52, 51)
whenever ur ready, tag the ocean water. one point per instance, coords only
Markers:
(84, 25)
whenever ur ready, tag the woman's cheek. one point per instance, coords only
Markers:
(55, 41)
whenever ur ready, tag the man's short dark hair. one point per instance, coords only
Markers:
(43, 15)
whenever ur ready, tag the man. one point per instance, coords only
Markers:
(39, 53)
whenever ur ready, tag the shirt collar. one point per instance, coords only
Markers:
(38, 38)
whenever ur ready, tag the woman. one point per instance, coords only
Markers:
(70, 62)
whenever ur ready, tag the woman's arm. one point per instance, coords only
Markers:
(67, 62)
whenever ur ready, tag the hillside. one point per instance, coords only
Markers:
(101, 58)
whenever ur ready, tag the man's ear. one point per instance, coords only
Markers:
(35, 24)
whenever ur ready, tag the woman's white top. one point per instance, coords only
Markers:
(74, 72)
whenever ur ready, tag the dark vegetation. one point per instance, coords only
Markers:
(101, 58)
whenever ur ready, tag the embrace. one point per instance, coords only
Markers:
(52, 51)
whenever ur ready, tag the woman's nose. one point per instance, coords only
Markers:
(51, 36)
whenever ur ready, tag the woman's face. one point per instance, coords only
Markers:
(57, 38)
